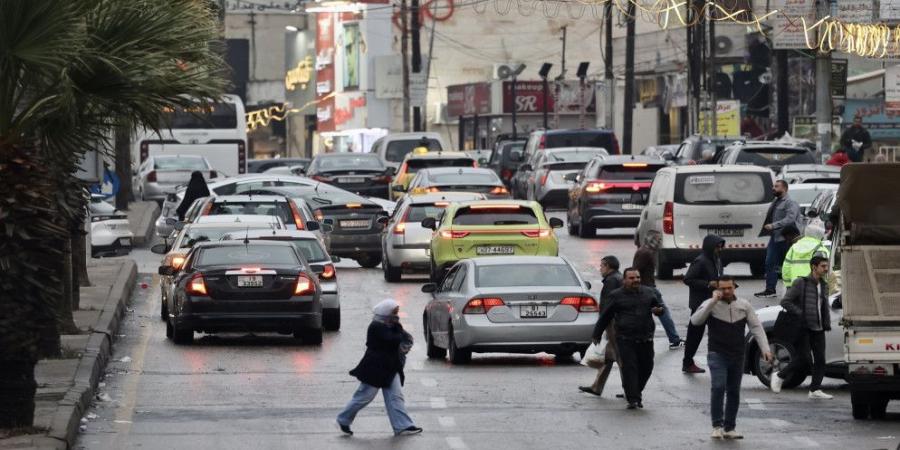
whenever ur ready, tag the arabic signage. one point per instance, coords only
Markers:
(788, 30)
(568, 96)
(839, 78)
(882, 124)
(299, 76)
(856, 11)
(349, 111)
(263, 5)
(468, 99)
(728, 119)
(325, 70)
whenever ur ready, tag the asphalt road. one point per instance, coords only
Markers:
(269, 392)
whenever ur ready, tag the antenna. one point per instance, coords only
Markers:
(247, 236)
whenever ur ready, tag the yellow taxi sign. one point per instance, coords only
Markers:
(420, 150)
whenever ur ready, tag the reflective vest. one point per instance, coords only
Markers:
(796, 262)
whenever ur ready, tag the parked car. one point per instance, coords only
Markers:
(687, 203)
(609, 192)
(519, 304)
(691, 150)
(547, 183)
(805, 193)
(395, 146)
(810, 173)
(263, 165)
(160, 175)
(463, 179)
(110, 231)
(362, 173)
(506, 159)
(414, 162)
(767, 154)
(583, 137)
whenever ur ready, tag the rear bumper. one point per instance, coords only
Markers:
(157, 191)
(353, 244)
(116, 248)
(408, 257)
(611, 218)
(887, 386)
(478, 333)
(680, 257)
(203, 314)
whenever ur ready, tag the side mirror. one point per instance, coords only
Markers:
(526, 167)
(588, 285)
(336, 259)
(171, 221)
(328, 221)
(312, 225)
(327, 228)
(429, 288)
(429, 222)
(317, 268)
(811, 213)
(167, 270)
(179, 226)
(556, 222)
(398, 188)
(383, 220)
(571, 176)
(160, 249)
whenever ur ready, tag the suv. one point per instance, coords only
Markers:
(506, 159)
(394, 147)
(541, 139)
(691, 150)
(767, 154)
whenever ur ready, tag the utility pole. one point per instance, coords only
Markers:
(559, 80)
(694, 34)
(610, 78)
(823, 89)
(428, 64)
(416, 58)
(404, 50)
(627, 125)
(711, 76)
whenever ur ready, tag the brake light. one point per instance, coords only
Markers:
(495, 207)
(582, 304)
(543, 142)
(506, 174)
(151, 177)
(400, 228)
(594, 187)
(196, 285)
(482, 305)
(499, 190)
(242, 158)
(213, 174)
(145, 151)
(178, 261)
(536, 233)
(353, 205)
(320, 178)
(441, 204)
(668, 221)
(449, 234)
(328, 273)
(544, 178)
(207, 209)
(249, 269)
(304, 286)
(298, 219)
(634, 165)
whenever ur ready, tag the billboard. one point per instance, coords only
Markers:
(468, 99)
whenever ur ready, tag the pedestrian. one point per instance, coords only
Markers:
(727, 318)
(782, 211)
(196, 188)
(612, 280)
(796, 261)
(382, 368)
(807, 301)
(856, 133)
(838, 158)
(645, 260)
(701, 279)
(632, 307)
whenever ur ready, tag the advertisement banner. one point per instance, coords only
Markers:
(728, 119)
(468, 99)
(883, 125)
(892, 88)
(325, 70)
(788, 30)
(567, 96)
(351, 56)
(856, 11)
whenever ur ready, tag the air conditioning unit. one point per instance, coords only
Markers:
(504, 70)
(729, 47)
(440, 113)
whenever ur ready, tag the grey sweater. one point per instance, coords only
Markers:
(727, 323)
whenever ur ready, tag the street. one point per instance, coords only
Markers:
(268, 391)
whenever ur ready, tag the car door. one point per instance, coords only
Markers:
(439, 309)
(535, 176)
(651, 217)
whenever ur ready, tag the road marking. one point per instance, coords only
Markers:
(806, 441)
(447, 421)
(755, 403)
(780, 423)
(438, 403)
(428, 382)
(456, 443)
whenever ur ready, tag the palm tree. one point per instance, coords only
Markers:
(71, 73)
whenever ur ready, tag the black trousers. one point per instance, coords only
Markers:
(636, 365)
(692, 343)
(808, 343)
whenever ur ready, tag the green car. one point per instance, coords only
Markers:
(490, 228)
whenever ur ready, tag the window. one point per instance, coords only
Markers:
(194, 236)
(514, 215)
(579, 139)
(397, 150)
(621, 172)
(254, 208)
(459, 279)
(418, 213)
(723, 188)
(215, 115)
(249, 254)
(775, 156)
(356, 162)
(447, 284)
(464, 178)
(525, 275)
(180, 163)
(414, 165)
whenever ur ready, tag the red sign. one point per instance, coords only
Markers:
(530, 97)
(325, 69)
(468, 99)
(344, 115)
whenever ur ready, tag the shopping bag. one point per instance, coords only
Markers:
(594, 356)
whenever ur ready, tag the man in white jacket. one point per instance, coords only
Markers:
(727, 318)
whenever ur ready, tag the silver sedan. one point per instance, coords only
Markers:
(516, 304)
(550, 185)
(161, 175)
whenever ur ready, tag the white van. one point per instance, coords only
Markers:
(395, 146)
(686, 203)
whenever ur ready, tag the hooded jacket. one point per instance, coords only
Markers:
(705, 268)
(645, 258)
(383, 359)
(796, 261)
(196, 188)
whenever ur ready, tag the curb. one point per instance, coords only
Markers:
(66, 419)
(146, 223)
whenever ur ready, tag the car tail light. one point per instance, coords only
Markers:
(328, 273)
(196, 286)
(879, 371)
(506, 174)
(305, 286)
(582, 304)
(242, 157)
(207, 209)
(382, 179)
(634, 165)
(536, 233)
(441, 204)
(354, 205)
(178, 261)
(213, 174)
(543, 142)
(495, 207)
(668, 221)
(145, 151)
(481, 305)
(594, 187)
(319, 216)
(449, 234)
(151, 177)
(320, 178)
(298, 219)
(400, 228)
(544, 178)
(499, 190)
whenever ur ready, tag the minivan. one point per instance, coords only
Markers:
(686, 203)
(582, 137)
(395, 146)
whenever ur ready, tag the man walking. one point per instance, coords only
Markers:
(645, 260)
(631, 307)
(856, 133)
(728, 318)
(783, 212)
(807, 299)
(701, 279)
(796, 262)
(612, 280)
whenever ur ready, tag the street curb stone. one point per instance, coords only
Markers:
(143, 229)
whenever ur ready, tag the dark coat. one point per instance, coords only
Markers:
(611, 282)
(196, 188)
(382, 360)
(632, 313)
(800, 300)
(705, 268)
(645, 262)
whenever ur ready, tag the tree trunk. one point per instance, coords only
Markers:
(123, 168)
(79, 259)
(17, 389)
(65, 321)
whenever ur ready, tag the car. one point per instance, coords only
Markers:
(362, 173)
(805, 193)
(582, 137)
(176, 248)
(489, 228)
(111, 233)
(265, 202)
(160, 175)
(506, 159)
(520, 304)
(462, 179)
(686, 203)
(481, 156)
(691, 150)
(263, 165)
(818, 214)
(395, 146)
(287, 170)
(313, 251)
(810, 173)
(609, 192)
(547, 183)
(773, 155)
(405, 243)
(414, 162)
(243, 285)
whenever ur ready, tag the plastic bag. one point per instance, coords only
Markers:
(594, 356)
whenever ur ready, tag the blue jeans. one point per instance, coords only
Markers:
(775, 253)
(725, 373)
(666, 321)
(393, 403)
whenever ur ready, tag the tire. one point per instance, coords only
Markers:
(664, 270)
(331, 319)
(758, 270)
(311, 336)
(860, 405)
(370, 260)
(457, 355)
(433, 352)
(878, 409)
(784, 354)
(180, 335)
(572, 228)
(564, 357)
(586, 231)
(391, 274)
(163, 309)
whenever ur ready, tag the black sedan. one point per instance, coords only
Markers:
(229, 286)
(362, 173)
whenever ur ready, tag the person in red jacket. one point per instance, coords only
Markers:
(838, 158)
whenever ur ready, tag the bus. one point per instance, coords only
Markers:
(217, 131)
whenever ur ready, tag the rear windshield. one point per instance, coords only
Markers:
(507, 150)
(804, 196)
(254, 208)
(571, 156)
(723, 188)
(525, 275)
(247, 254)
(418, 213)
(214, 116)
(326, 197)
(193, 236)
(180, 164)
(621, 172)
(363, 162)
(397, 150)
(464, 178)
(495, 216)
(413, 165)
(581, 139)
(775, 156)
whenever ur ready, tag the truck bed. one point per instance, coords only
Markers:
(870, 276)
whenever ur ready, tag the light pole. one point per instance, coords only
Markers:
(544, 72)
(514, 74)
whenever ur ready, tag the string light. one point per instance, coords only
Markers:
(263, 117)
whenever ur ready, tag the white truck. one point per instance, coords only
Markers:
(868, 252)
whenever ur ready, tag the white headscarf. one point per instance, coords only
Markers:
(385, 309)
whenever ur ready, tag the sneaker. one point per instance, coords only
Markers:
(717, 433)
(410, 431)
(692, 368)
(776, 382)
(346, 429)
(641, 405)
(819, 395)
(676, 345)
(632, 405)
(768, 293)
(733, 435)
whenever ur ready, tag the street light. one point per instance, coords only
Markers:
(544, 72)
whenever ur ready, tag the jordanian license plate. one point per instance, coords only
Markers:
(533, 311)
(250, 281)
(727, 232)
(354, 224)
(631, 206)
(495, 250)
(350, 179)
(125, 241)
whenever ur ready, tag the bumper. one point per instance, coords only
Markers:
(409, 257)
(680, 257)
(477, 333)
(204, 314)
(353, 244)
(611, 217)
(330, 297)
(886, 387)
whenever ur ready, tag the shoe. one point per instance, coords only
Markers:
(733, 435)
(589, 390)
(410, 431)
(765, 294)
(346, 429)
(641, 405)
(692, 369)
(676, 345)
(819, 395)
(776, 382)
(620, 395)
(632, 405)
(717, 433)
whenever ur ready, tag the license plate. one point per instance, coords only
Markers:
(350, 179)
(354, 224)
(533, 312)
(125, 241)
(250, 281)
(727, 232)
(495, 250)
(631, 206)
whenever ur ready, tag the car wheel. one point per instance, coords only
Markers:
(878, 409)
(664, 270)
(457, 355)
(783, 354)
(391, 274)
(181, 335)
(331, 319)
(564, 357)
(758, 270)
(586, 230)
(163, 308)
(311, 336)
(433, 352)
(859, 404)
(369, 261)
(169, 331)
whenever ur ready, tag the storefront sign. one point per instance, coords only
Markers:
(839, 78)
(299, 76)
(804, 127)
(728, 119)
(892, 88)
(856, 11)
(568, 96)
(468, 99)
(788, 30)
(285, 6)
(324, 72)
(882, 124)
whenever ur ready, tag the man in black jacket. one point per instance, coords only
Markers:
(612, 280)
(631, 307)
(701, 279)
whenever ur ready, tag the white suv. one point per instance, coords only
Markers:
(686, 203)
